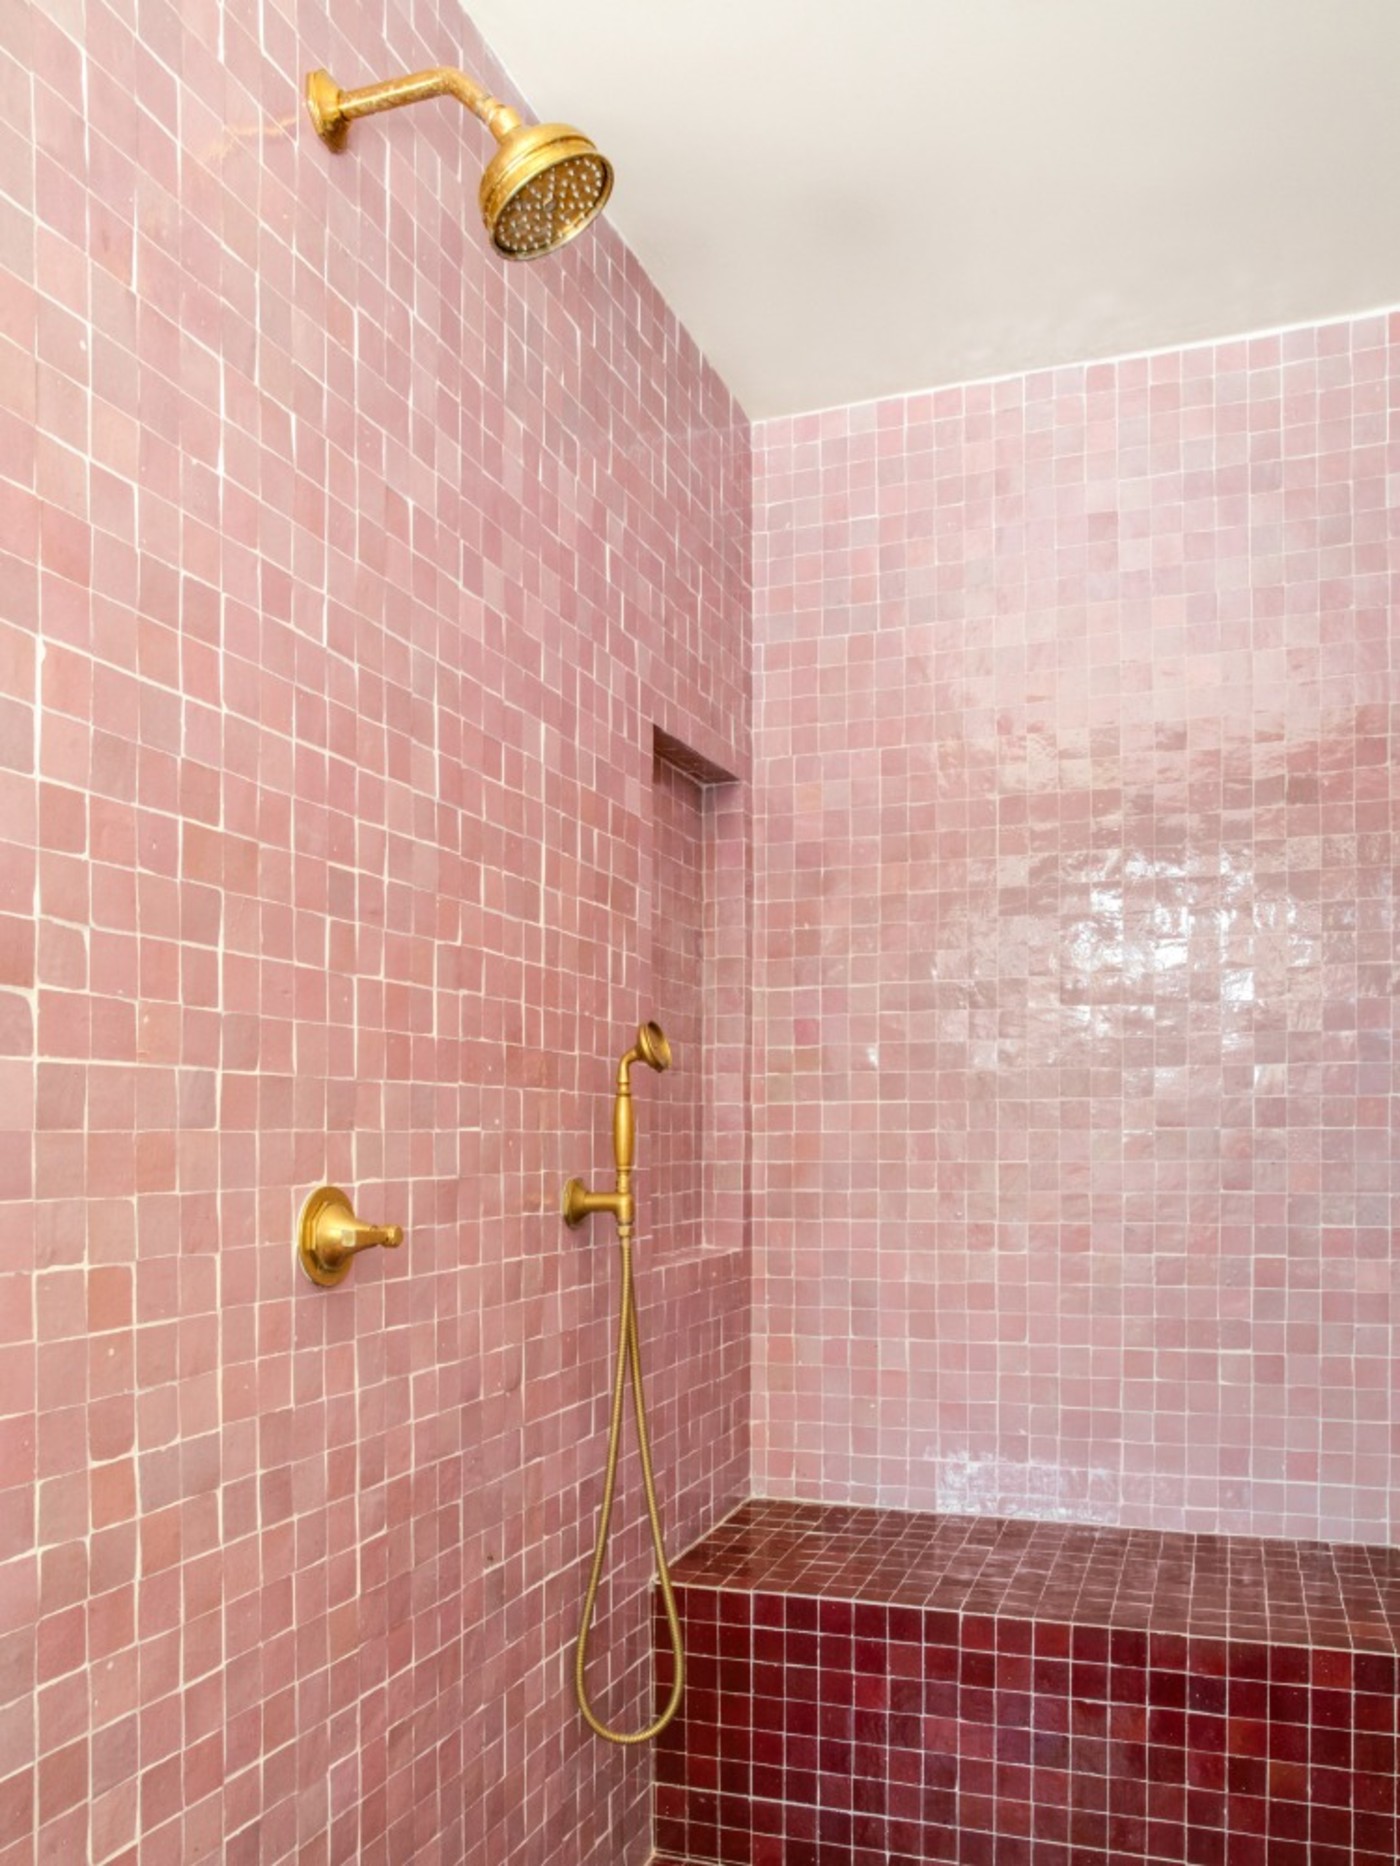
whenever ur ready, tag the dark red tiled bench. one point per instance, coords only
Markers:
(869, 1688)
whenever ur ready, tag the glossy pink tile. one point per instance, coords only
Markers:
(1077, 1163)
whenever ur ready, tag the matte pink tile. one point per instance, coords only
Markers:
(352, 588)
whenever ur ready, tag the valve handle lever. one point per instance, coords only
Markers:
(330, 1236)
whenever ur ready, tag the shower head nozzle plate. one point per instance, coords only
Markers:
(545, 184)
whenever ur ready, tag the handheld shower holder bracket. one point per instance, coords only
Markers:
(578, 1204)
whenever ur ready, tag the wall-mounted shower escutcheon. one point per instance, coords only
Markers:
(329, 1236)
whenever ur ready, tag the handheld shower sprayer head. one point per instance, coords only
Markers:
(545, 183)
(650, 1048)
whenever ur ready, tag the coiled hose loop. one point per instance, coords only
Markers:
(629, 1359)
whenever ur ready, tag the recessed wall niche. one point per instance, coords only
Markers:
(695, 1137)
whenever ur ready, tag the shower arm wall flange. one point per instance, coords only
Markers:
(333, 110)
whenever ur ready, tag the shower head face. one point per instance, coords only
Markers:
(544, 184)
(655, 1050)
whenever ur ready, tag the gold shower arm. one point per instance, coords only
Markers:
(333, 110)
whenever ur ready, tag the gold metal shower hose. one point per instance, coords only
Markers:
(629, 1358)
(652, 1048)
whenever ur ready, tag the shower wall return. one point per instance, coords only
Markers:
(346, 574)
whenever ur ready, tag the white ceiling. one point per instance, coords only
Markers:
(845, 201)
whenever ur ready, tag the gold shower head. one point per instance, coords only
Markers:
(544, 184)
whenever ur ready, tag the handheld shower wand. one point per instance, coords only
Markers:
(579, 1203)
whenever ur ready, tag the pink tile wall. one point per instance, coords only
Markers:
(1077, 1161)
(345, 574)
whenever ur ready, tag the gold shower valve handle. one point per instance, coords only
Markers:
(330, 1236)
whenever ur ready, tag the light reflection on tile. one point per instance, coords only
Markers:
(1077, 1163)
